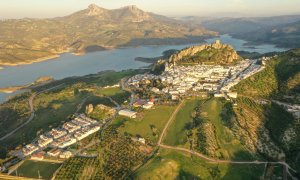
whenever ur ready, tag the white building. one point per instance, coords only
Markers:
(218, 95)
(79, 135)
(127, 113)
(148, 106)
(54, 152)
(56, 133)
(232, 95)
(29, 149)
(44, 141)
(65, 155)
(70, 127)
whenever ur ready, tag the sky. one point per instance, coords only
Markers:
(175, 8)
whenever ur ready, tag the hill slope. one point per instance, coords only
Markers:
(280, 30)
(259, 120)
(91, 29)
(287, 35)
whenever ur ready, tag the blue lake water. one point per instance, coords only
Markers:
(118, 59)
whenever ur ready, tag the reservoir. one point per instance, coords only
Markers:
(118, 59)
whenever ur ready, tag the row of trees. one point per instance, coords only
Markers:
(117, 156)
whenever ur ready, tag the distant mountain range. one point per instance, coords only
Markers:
(283, 31)
(92, 29)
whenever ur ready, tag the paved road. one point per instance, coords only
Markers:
(30, 102)
(81, 104)
(160, 144)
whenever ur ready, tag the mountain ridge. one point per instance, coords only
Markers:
(257, 30)
(26, 40)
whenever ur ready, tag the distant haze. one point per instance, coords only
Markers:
(231, 8)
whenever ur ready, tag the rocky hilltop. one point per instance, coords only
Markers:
(216, 53)
(94, 28)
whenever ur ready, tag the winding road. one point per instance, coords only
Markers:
(30, 102)
(211, 160)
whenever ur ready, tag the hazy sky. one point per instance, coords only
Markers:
(52, 8)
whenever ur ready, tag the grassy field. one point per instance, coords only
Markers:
(109, 91)
(230, 147)
(32, 169)
(169, 164)
(156, 119)
(176, 134)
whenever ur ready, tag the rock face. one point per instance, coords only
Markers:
(106, 109)
(89, 109)
(100, 111)
(128, 13)
(94, 10)
(216, 52)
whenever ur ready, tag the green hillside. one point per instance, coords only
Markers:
(263, 125)
(280, 77)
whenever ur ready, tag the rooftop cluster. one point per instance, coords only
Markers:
(64, 136)
(215, 79)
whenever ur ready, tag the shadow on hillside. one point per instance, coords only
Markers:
(186, 176)
(278, 120)
(272, 117)
(243, 171)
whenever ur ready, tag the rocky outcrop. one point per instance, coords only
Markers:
(89, 109)
(94, 10)
(217, 52)
(100, 111)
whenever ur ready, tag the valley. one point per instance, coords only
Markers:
(125, 93)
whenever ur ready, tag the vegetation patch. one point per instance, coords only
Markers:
(177, 132)
(191, 167)
(209, 132)
(117, 156)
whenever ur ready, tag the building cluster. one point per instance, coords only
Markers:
(243, 71)
(127, 113)
(139, 103)
(145, 104)
(69, 133)
(214, 79)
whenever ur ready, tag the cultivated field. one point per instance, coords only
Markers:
(34, 169)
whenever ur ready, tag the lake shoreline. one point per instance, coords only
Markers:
(3, 65)
(39, 82)
(108, 48)
(10, 90)
(82, 53)
(122, 58)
